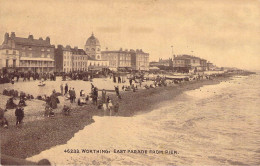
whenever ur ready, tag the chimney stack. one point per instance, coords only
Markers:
(12, 35)
(6, 38)
(48, 39)
(30, 37)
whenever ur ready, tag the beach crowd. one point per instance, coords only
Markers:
(103, 102)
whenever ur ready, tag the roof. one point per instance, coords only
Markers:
(35, 42)
(182, 57)
(78, 51)
(92, 40)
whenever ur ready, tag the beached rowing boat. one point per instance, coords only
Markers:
(176, 77)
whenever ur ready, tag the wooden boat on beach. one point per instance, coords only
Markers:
(41, 84)
(176, 77)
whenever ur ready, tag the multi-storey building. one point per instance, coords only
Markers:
(211, 66)
(135, 60)
(181, 64)
(142, 60)
(70, 59)
(79, 59)
(203, 65)
(27, 54)
(9, 59)
(117, 59)
(63, 59)
(94, 64)
(165, 62)
(188, 62)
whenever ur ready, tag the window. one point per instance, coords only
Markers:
(30, 54)
(14, 52)
(48, 55)
(42, 55)
(7, 51)
(42, 49)
(30, 48)
(93, 49)
(48, 50)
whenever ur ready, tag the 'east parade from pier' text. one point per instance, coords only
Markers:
(121, 151)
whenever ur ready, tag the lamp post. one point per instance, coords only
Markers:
(172, 50)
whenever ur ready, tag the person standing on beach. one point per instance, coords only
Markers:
(53, 100)
(110, 107)
(92, 86)
(104, 96)
(117, 92)
(73, 96)
(95, 96)
(61, 89)
(66, 88)
(114, 78)
(19, 113)
(107, 101)
(70, 94)
(116, 108)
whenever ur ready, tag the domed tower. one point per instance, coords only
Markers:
(92, 47)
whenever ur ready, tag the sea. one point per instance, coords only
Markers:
(213, 125)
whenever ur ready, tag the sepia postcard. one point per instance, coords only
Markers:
(130, 82)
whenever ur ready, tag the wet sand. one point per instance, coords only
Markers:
(40, 134)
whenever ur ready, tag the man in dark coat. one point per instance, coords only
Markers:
(53, 100)
(117, 92)
(66, 88)
(73, 95)
(19, 113)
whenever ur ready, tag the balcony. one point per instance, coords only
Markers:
(35, 65)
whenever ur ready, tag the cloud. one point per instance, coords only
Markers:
(140, 30)
(106, 29)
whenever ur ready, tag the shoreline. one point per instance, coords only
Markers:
(39, 135)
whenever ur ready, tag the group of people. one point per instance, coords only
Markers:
(10, 77)
(10, 102)
(15, 94)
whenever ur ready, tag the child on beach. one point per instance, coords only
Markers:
(110, 107)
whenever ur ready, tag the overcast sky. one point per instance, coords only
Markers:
(225, 32)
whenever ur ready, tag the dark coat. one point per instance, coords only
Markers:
(19, 112)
